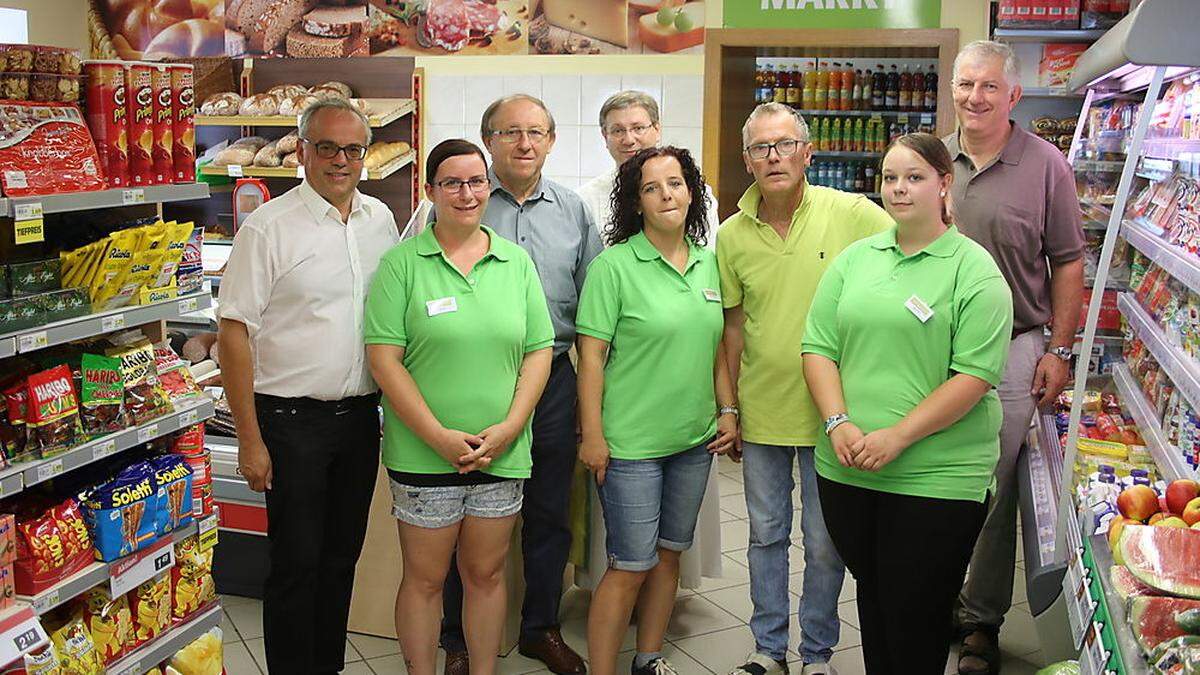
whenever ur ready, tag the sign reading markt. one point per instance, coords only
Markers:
(833, 13)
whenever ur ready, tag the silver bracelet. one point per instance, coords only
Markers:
(834, 421)
(726, 409)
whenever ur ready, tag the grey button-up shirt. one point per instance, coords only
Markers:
(558, 232)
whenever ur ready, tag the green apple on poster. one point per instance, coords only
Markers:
(833, 13)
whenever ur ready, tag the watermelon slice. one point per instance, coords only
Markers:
(1126, 585)
(1163, 558)
(1153, 619)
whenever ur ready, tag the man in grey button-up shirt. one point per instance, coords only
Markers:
(551, 222)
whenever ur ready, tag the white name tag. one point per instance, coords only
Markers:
(712, 295)
(919, 309)
(442, 306)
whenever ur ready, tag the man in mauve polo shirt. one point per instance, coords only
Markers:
(1014, 194)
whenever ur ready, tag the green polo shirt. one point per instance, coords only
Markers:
(663, 329)
(464, 340)
(773, 280)
(890, 360)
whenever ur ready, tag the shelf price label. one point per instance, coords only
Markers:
(112, 322)
(134, 196)
(208, 532)
(49, 470)
(187, 418)
(22, 633)
(46, 602)
(129, 572)
(104, 449)
(188, 305)
(148, 433)
(32, 341)
(28, 226)
(234, 171)
(1093, 658)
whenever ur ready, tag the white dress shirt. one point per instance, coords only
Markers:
(597, 194)
(298, 279)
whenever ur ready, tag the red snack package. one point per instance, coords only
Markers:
(190, 441)
(107, 118)
(183, 131)
(8, 592)
(108, 619)
(45, 148)
(16, 399)
(53, 411)
(48, 547)
(77, 541)
(192, 585)
(139, 97)
(8, 542)
(150, 606)
(164, 118)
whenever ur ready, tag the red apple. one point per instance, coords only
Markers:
(1172, 521)
(1157, 518)
(1191, 512)
(1180, 492)
(1162, 504)
(1138, 502)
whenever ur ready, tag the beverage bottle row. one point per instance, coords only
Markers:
(846, 176)
(850, 134)
(825, 85)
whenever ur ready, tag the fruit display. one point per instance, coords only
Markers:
(1153, 620)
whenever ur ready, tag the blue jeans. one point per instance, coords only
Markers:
(767, 474)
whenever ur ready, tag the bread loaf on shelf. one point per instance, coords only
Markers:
(259, 105)
(222, 103)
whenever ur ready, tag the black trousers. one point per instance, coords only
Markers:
(545, 534)
(908, 556)
(324, 458)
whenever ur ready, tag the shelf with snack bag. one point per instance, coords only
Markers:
(1170, 463)
(1098, 166)
(1048, 92)
(1169, 147)
(378, 173)
(380, 113)
(1046, 35)
(166, 645)
(104, 199)
(1179, 367)
(1176, 261)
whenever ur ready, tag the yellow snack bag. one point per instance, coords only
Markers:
(176, 241)
(1092, 446)
(140, 268)
(115, 266)
(76, 650)
(88, 269)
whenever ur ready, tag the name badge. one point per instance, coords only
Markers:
(442, 306)
(712, 295)
(918, 307)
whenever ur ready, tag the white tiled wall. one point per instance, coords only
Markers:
(454, 104)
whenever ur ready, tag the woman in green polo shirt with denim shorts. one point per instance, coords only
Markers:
(459, 338)
(906, 340)
(655, 399)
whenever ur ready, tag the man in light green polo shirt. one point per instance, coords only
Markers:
(771, 254)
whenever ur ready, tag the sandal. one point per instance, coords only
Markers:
(979, 644)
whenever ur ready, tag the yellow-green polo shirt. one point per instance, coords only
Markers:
(464, 340)
(890, 360)
(663, 329)
(774, 280)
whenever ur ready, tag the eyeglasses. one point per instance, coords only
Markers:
(786, 148)
(514, 135)
(638, 131)
(477, 184)
(329, 150)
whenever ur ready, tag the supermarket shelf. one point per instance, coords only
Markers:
(1169, 148)
(384, 112)
(167, 644)
(282, 172)
(60, 332)
(89, 577)
(847, 155)
(868, 113)
(1177, 262)
(1097, 166)
(1043, 472)
(104, 199)
(1129, 653)
(1048, 92)
(1170, 462)
(1179, 367)
(1036, 35)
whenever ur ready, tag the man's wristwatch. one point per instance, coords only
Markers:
(834, 421)
(1063, 353)
(727, 409)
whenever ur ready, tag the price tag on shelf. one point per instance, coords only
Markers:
(112, 322)
(208, 532)
(49, 470)
(134, 196)
(1093, 658)
(234, 171)
(44, 603)
(28, 226)
(32, 341)
(105, 449)
(148, 433)
(187, 418)
(188, 305)
(22, 633)
(129, 572)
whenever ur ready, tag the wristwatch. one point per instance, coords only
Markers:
(834, 421)
(729, 409)
(1063, 353)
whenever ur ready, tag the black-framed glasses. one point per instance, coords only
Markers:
(477, 184)
(786, 148)
(329, 150)
(534, 135)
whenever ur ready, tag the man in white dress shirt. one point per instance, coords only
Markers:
(295, 375)
(629, 122)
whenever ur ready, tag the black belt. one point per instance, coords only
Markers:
(317, 405)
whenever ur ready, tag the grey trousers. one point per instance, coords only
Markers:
(987, 595)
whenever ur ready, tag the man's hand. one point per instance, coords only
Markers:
(594, 454)
(875, 450)
(726, 441)
(454, 446)
(254, 463)
(845, 438)
(1049, 379)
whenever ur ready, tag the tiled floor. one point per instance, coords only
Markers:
(708, 631)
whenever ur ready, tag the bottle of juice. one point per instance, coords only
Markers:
(905, 89)
(768, 87)
(835, 138)
(931, 86)
(820, 102)
(758, 82)
(856, 93)
(869, 178)
(823, 134)
(834, 96)
(858, 135)
(795, 84)
(781, 83)
(848, 81)
(848, 179)
(878, 87)
(892, 93)
(918, 89)
(809, 95)
(860, 178)
(881, 136)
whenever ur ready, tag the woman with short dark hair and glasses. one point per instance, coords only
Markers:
(459, 339)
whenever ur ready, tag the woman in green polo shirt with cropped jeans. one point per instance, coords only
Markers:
(459, 338)
(906, 340)
(655, 400)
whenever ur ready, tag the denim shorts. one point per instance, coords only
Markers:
(652, 503)
(435, 507)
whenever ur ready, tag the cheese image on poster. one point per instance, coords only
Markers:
(606, 20)
(684, 27)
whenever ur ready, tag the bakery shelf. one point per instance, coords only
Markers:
(89, 577)
(846, 154)
(1177, 262)
(869, 113)
(165, 645)
(384, 111)
(1098, 166)
(1129, 652)
(1179, 367)
(104, 199)
(1046, 35)
(1168, 458)
(281, 172)
(60, 332)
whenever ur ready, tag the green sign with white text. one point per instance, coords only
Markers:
(833, 13)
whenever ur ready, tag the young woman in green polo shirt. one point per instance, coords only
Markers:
(906, 340)
(655, 400)
(459, 338)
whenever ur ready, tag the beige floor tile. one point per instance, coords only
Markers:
(735, 504)
(358, 668)
(371, 647)
(848, 613)
(231, 600)
(848, 638)
(394, 664)
(258, 651)
(720, 651)
(848, 662)
(228, 631)
(238, 660)
(1018, 635)
(696, 616)
(729, 486)
(735, 600)
(735, 535)
(247, 619)
(575, 603)
(574, 632)
(734, 573)
(515, 664)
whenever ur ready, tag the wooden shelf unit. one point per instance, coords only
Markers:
(729, 90)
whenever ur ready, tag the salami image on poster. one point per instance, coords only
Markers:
(617, 27)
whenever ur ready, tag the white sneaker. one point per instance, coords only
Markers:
(760, 664)
(818, 669)
(659, 666)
